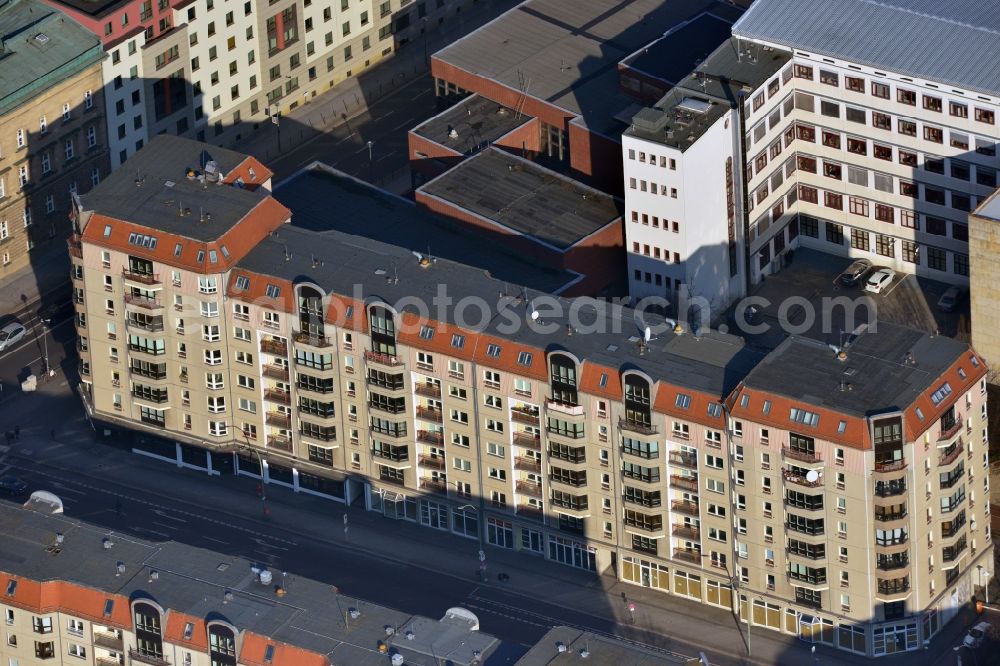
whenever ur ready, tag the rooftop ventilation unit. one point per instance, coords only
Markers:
(41, 39)
(650, 120)
(212, 171)
(695, 105)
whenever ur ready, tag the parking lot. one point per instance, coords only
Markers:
(807, 298)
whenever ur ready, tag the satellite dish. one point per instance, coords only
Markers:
(534, 315)
(812, 476)
(647, 333)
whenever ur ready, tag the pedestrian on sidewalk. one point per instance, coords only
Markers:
(17, 433)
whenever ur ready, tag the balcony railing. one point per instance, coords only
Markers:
(143, 302)
(428, 437)
(886, 587)
(635, 426)
(689, 532)
(428, 390)
(152, 660)
(273, 371)
(280, 443)
(891, 466)
(529, 417)
(274, 395)
(532, 512)
(529, 488)
(383, 359)
(75, 246)
(278, 419)
(687, 555)
(312, 340)
(800, 479)
(889, 489)
(683, 506)
(683, 459)
(434, 462)
(274, 347)
(886, 516)
(891, 564)
(433, 485)
(950, 427)
(528, 441)
(108, 640)
(141, 278)
(568, 408)
(684, 482)
(526, 464)
(428, 414)
(951, 456)
(801, 456)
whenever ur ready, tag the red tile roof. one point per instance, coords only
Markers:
(254, 647)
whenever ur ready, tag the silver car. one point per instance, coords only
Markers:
(10, 334)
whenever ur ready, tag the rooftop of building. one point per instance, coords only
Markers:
(953, 42)
(471, 125)
(169, 186)
(325, 200)
(39, 46)
(885, 368)
(206, 584)
(990, 208)
(522, 196)
(567, 53)
(673, 56)
(594, 331)
(94, 7)
(584, 647)
(681, 116)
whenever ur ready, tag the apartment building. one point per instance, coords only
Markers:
(215, 71)
(74, 594)
(984, 243)
(854, 149)
(53, 142)
(432, 392)
(568, 75)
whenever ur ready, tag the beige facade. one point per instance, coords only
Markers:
(984, 243)
(624, 456)
(53, 144)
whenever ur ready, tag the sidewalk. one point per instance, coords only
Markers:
(658, 617)
(355, 95)
(48, 272)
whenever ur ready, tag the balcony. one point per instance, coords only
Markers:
(951, 456)
(428, 390)
(143, 302)
(526, 464)
(274, 347)
(385, 360)
(801, 456)
(428, 414)
(891, 466)
(108, 661)
(688, 555)
(529, 488)
(560, 407)
(524, 415)
(137, 656)
(683, 459)
(950, 427)
(530, 512)
(281, 397)
(141, 278)
(151, 326)
(684, 483)
(890, 489)
(893, 589)
(313, 340)
(893, 563)
(106, 639)
(685, 507)
(433, 462)
(388, 407)
(433, 485)
(279, 443)
(75, 246)
(800, 479)
(528, 441)
(635, 426)
(278, 372)
(689, 532)
(429, 437)
(887, 516)
(278, 419)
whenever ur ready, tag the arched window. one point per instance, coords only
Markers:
(383, 330)
(311, 312)
(563, 382)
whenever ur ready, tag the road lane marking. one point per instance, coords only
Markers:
(163, 525)
(163, 514)
(146, 529)
(208, 538)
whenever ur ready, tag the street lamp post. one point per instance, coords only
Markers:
(739, 608)
(277, 126)
(371, 165)
(260, 462)
(986, 589)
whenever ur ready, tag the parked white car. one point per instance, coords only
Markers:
(975, 637)
(10, 334)
(880, 280)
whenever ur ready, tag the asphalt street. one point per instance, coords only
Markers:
(380, 578)
(27, 355)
